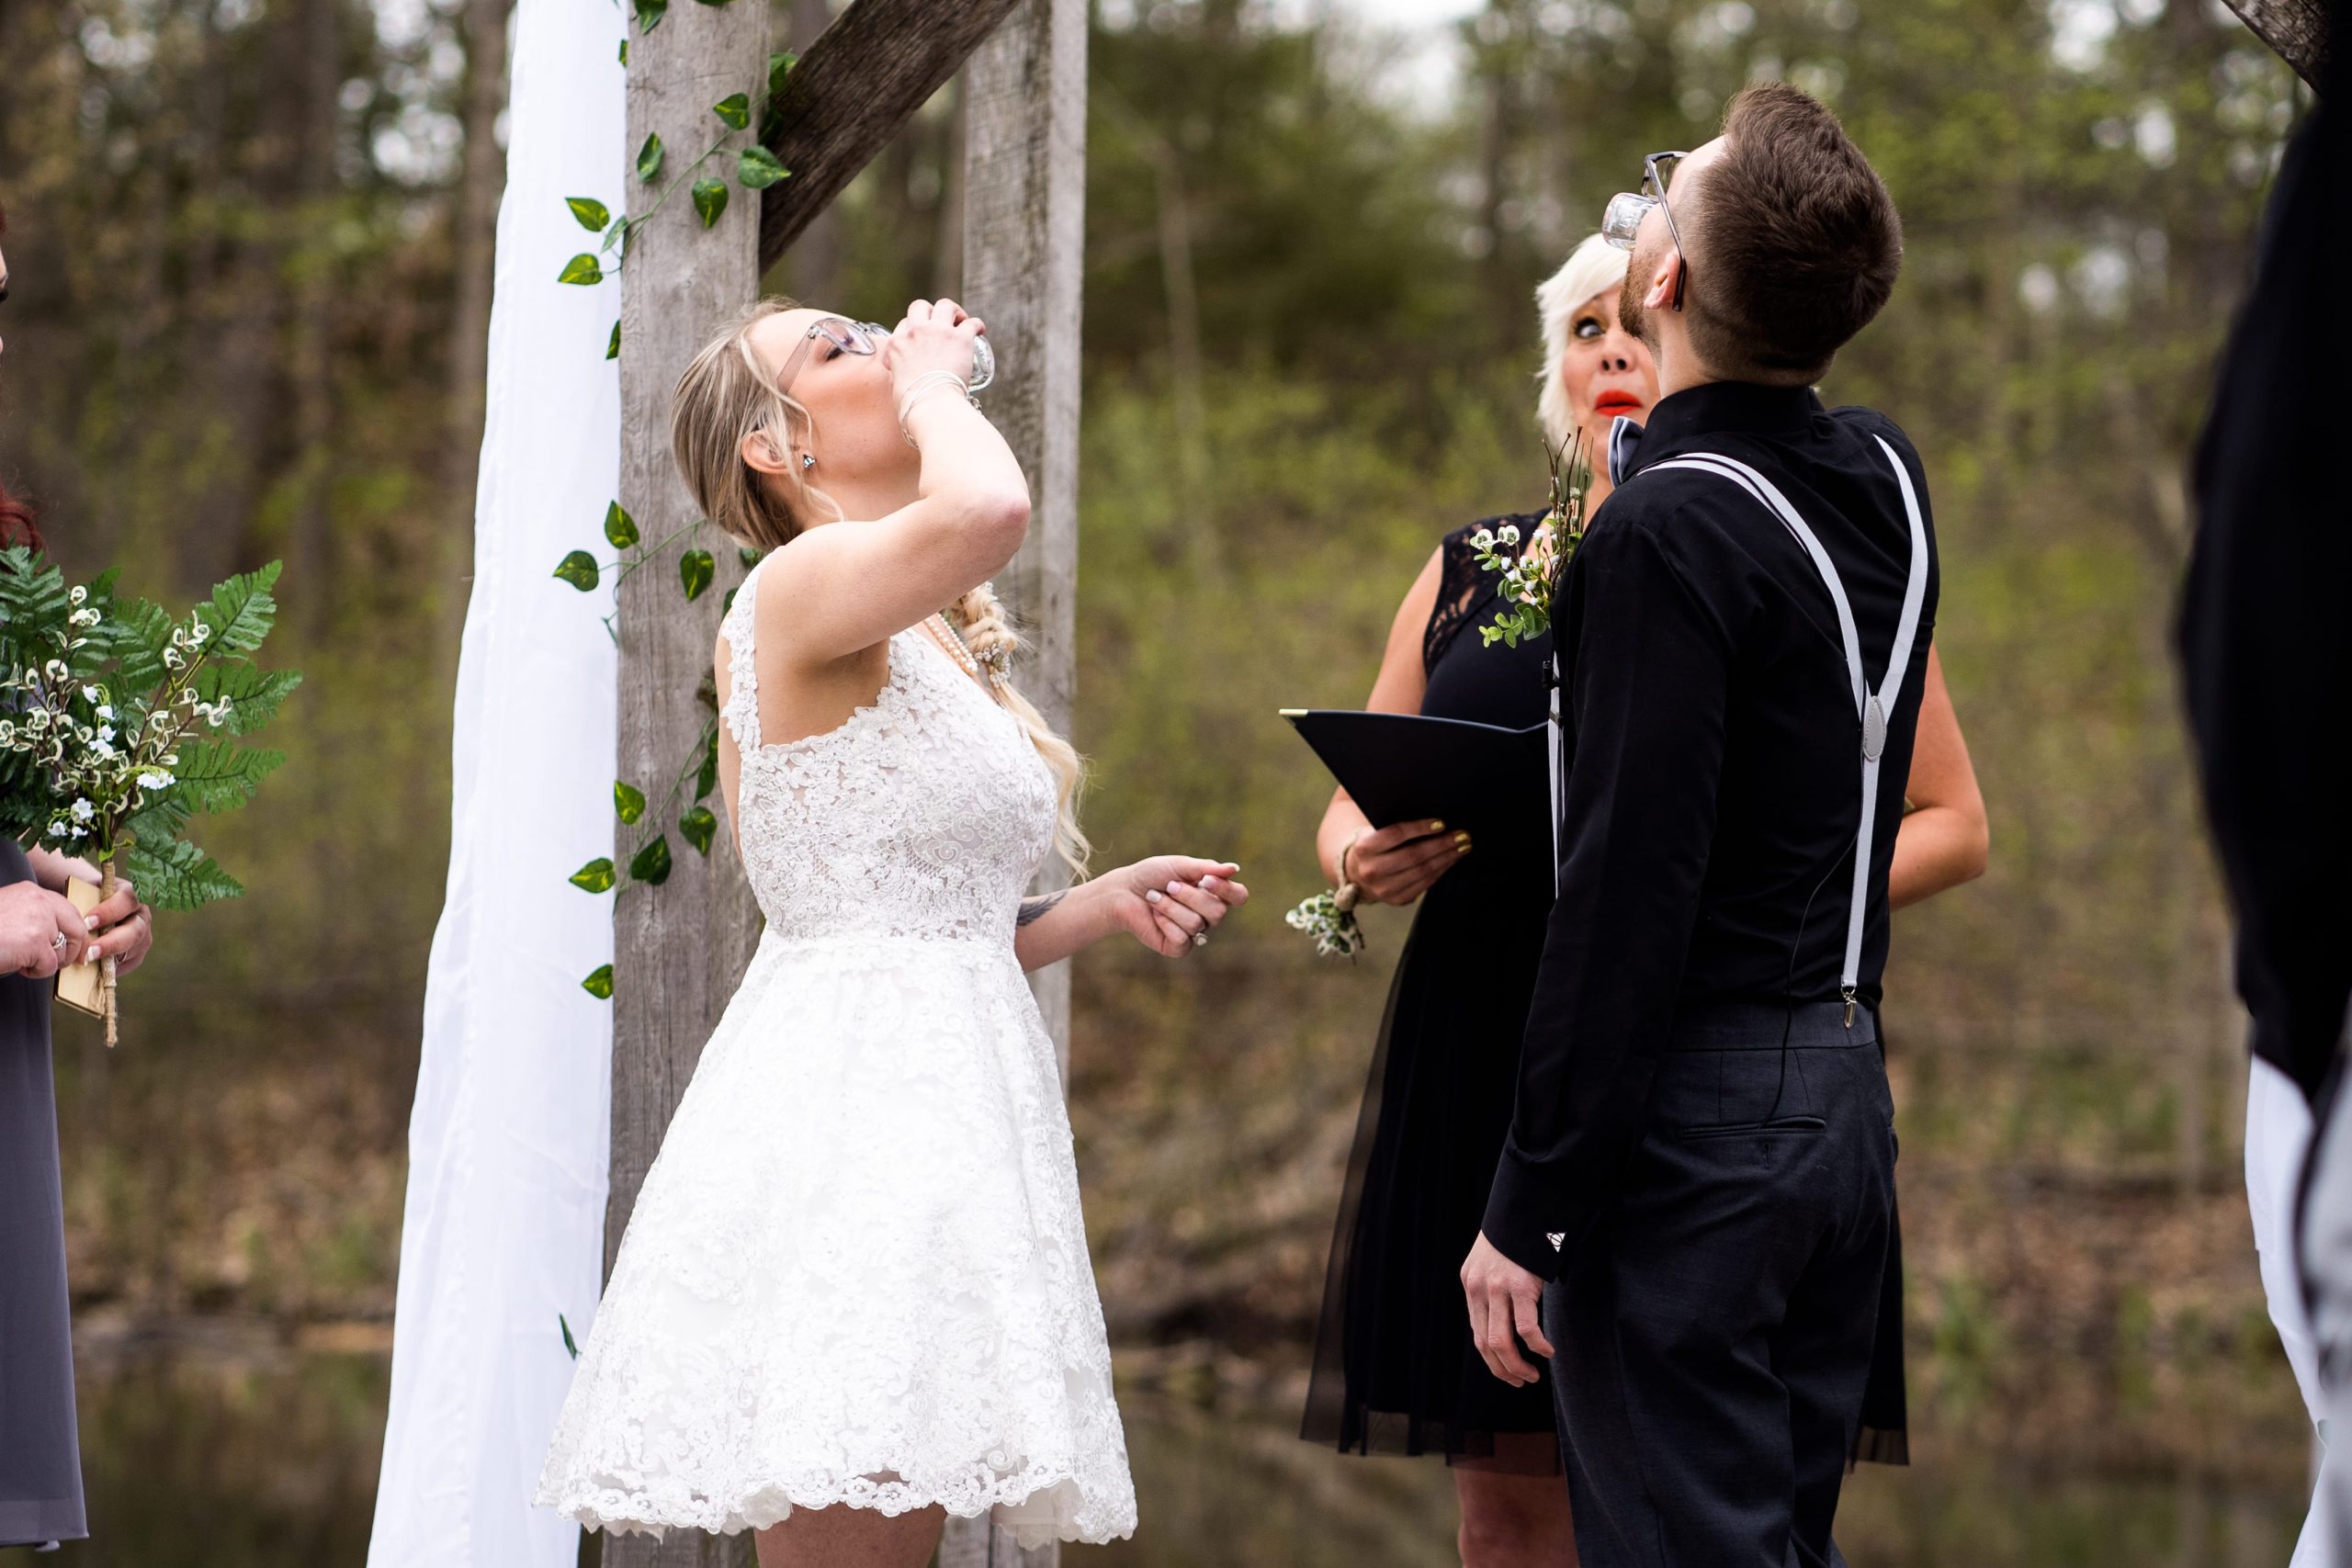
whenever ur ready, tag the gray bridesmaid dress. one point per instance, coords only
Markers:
(41, 1460)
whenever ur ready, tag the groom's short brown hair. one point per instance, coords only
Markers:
(1800, 242)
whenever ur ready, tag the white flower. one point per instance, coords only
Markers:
(202, 633)
(106, 710)
(83, 810)
(172, 659)
(57, 830)
(77, 596)
(106, 731)
(154, 778)
(81, 832)
(101, 749)
(91, 694)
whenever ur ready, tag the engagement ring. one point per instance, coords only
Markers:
(56, 943)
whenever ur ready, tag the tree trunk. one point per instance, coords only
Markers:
(813, 265)
(678, 951)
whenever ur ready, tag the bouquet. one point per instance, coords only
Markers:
(118, 724)
(1531, 577)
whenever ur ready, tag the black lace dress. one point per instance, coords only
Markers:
(1395, 1369)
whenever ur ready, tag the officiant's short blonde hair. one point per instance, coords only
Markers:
(1594, 268)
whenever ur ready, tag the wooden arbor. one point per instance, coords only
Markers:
(677, 957)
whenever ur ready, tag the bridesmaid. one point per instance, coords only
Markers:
(40, 1466)
(1395, 1369)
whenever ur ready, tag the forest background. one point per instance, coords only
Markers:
(250, 256)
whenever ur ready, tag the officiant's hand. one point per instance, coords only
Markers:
(1171, 903)
(1504, 1300)
(1398, 864)
(41, 932)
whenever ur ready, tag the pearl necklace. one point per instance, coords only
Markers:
(961, 651)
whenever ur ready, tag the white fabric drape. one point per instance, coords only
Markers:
(2278, 1131)
(508, 1144)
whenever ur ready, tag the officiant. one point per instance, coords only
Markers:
(1395, 1369)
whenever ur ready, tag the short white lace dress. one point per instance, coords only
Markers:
(857, 1273)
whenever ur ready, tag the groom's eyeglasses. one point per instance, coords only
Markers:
(1627, 209)
(867, 337)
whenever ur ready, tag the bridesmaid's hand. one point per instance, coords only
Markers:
(1398, 864)
(32, 923)
(1171, 903)
(123, 930)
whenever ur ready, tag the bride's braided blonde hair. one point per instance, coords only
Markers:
(727, 397)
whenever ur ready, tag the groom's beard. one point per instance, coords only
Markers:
(1630, 314)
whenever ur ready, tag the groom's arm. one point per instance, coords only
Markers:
(1647, 694)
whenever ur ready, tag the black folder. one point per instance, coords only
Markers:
(1494, 783)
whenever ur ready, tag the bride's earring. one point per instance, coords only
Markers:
(807, 461)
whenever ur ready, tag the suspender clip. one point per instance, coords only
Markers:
(1848, 992)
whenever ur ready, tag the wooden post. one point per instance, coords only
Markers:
(1025, 225)
(677, 951)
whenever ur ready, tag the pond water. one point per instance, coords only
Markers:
(205, 1459)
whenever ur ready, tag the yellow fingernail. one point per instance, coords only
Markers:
(1436, 826)
(1463, 840)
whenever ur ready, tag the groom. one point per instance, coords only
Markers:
(1701, 1164)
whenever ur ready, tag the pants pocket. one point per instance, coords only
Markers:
(1781, 1125)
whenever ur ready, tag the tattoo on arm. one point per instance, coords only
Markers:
(1037, 909)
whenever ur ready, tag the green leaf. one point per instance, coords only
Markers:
(621, 528)
(727, 602)
(616, 234)
(599, 985)
(608, 973)
(750, 558)
(694, 571)
(735, 108)
(583, 269)
(219, 775)
(706, 777)
(578, 569)
(779, 67)
(252, 694)
(699, 827)
(710, 200)
(240, 612)
(650, 865)
(178, 877)
(649, 14)
(628, 800)
(613, 349)
(756, 169)
(649, 160)
(593, 214)
(624, 52)
(596, 876)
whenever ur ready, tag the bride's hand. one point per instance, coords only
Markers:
(1171, 903)
(935, 336)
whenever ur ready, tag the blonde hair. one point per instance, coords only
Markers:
(727, 397)
(1591, 267)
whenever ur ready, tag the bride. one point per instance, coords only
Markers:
(854, 1296)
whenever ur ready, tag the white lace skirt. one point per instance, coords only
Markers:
(857, 1272)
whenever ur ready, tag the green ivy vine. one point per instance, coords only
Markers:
(647, 860)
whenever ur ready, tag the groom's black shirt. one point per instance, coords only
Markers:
(1714, 773)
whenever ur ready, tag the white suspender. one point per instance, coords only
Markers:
(1869, 705)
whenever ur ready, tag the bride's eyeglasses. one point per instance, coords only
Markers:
(1623, 220)
(845, 337)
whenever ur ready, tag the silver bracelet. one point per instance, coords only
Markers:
(923, 386)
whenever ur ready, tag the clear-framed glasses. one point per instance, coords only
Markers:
(846, 336)
(1626, 210)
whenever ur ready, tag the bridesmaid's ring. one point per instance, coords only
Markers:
(1199, 939)
(56, 943)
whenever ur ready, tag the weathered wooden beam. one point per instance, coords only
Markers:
(864, 78)
(677, 953)
(1025, 230)
(2295, 29)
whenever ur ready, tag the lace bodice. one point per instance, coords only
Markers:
(924, 815)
